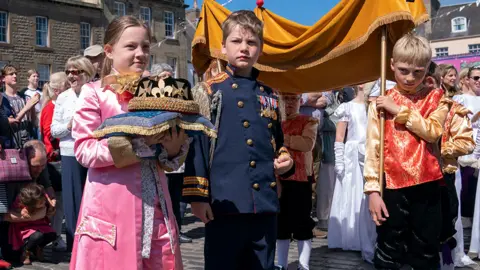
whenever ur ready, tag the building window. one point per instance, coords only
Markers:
(119, 9)
(474, 48)
(441, 51)
(459, 24)
(172, 61)
(146, 15)
(43, 74)
(85, 33)
(3, 26)
(3, 64)
(41, 31)
(169, 24)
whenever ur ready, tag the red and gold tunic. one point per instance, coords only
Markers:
(300, 133)
(457, 138)
(412, 154)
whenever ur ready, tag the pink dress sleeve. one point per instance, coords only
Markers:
(90, 152)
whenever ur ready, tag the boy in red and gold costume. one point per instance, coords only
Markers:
(409, 214)
(294, 221)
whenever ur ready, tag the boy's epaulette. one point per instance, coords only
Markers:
(221, 77)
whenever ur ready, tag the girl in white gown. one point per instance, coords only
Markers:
(350, 226)
(471, 101)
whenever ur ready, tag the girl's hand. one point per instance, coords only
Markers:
(173, 142)
(25, 213)
(33, 101)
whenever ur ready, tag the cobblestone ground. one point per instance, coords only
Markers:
(321, 257)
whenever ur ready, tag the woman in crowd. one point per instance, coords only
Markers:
(79, 71)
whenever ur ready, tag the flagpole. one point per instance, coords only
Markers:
(383, 83)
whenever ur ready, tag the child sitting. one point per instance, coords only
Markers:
(32, 235)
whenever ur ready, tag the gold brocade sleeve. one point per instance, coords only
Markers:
(122, 151)
(372, 151)
(461, 141)
(429, 129)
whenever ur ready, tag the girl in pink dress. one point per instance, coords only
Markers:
(33, 236)
(126, 221)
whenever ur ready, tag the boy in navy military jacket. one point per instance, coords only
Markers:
(231, 181)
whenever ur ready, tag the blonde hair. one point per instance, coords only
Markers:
(113, 33)
(31, 72)
(246, 19)
(81, 63)
(412, 49)
(463, 73)
(440, 72)
(58, 80)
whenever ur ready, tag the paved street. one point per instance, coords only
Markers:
(192, 254)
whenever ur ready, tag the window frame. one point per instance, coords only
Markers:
(172, 36)
(174, 60)
(116, 4)
(441, 52)
(40, 70)
(475, 50)
(89, 43)
(454, 24)
(141, 15)
(7, 27)
(46, 31)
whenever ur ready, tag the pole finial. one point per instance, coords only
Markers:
(260, 3)
(195, 4)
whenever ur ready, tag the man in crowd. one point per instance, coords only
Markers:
(95, 55)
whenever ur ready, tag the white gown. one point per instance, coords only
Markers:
(350, 226)
(459, 257)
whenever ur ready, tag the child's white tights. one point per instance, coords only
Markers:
(304, 250)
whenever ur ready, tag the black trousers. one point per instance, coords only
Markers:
(411, 233)
(240, 242)
(39, 239)
(449, 210)
(294, 220)
(175, 186)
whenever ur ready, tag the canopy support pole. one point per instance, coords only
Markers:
(383, 76)
(219, 66)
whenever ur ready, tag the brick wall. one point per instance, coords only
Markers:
(64, 31)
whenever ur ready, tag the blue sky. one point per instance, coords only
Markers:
(302, 11)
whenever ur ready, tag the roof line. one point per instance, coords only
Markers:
(458, 4)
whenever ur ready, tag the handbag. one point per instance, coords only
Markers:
(14, 164)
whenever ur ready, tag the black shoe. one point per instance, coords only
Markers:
(184, 239)
(279, 267)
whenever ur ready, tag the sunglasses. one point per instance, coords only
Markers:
(73, 72)
(476, 78)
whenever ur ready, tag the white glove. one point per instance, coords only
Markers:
(339, 159)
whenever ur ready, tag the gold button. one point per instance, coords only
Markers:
(256, 186)
(234, 86)
(270, 125)
(253, 164)
(250, 142)
(246, 124)
(273, 184)
(262, 89)
(240, 104)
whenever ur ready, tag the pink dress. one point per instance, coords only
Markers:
(109, 230)
(19, 231)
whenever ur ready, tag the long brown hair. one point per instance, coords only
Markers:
(440, 72)
(30, 195)
(113, 33)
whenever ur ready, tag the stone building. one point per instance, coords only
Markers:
(43, 34)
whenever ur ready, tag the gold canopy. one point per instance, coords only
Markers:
(342, 48)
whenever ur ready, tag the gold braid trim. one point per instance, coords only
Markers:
(163, 104)
(157, 129)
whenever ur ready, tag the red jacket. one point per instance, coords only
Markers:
(51, 143)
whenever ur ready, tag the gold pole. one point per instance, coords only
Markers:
(383, 85)
(219, 65)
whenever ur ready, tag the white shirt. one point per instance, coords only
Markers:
(65, 107)
(29, 93)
